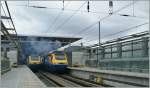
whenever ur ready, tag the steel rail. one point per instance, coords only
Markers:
(80, 81)
(48, 80)
(59, 80)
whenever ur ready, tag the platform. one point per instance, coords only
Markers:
(114, 78)
(21, 77)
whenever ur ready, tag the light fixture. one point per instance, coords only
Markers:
(110, 7)
(63, 5)
(88, 6)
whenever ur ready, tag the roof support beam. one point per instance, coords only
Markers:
(10, 29)
(5, 17)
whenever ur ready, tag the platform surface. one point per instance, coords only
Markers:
(142, 75)
(21, 77)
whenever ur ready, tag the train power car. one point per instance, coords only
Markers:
(55, 61)
(34, 62)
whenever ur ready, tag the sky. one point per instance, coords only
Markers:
(76, 21)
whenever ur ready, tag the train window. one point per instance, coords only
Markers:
(60, 56)
(59, 52)
(34, 58)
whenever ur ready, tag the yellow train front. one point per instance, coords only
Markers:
(34, 62)
(55, 61)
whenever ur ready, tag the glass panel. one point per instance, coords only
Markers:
(134, 66)
(100, 57)
(114, 48)
(114, 55)
(60, 57)
(127, 54)
(95, 57)
(107, 49)
(99, 51)
(137, 46)
(137, 53)
(127, 47)
(107, 56)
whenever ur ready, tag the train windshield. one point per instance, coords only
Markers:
(34, 58)
(60, 55)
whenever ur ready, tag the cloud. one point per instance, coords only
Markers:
(34, 21)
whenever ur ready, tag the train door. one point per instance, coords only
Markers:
(50, 58)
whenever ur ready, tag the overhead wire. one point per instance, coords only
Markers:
(93, 12)
(88, 27)
(90, 11)
(58, 28)
(80, 32)
(56, 18)
(125, 30)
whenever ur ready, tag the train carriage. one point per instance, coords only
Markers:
(34, 62)
(55, 61)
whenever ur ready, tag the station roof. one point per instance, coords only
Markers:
(27, 38)
(124, 39)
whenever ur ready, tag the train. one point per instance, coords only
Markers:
(34, 62)
(55, 61)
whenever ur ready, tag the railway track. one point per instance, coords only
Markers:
(80, 81)
(46, 80)
(65, 80)
(60, 82)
